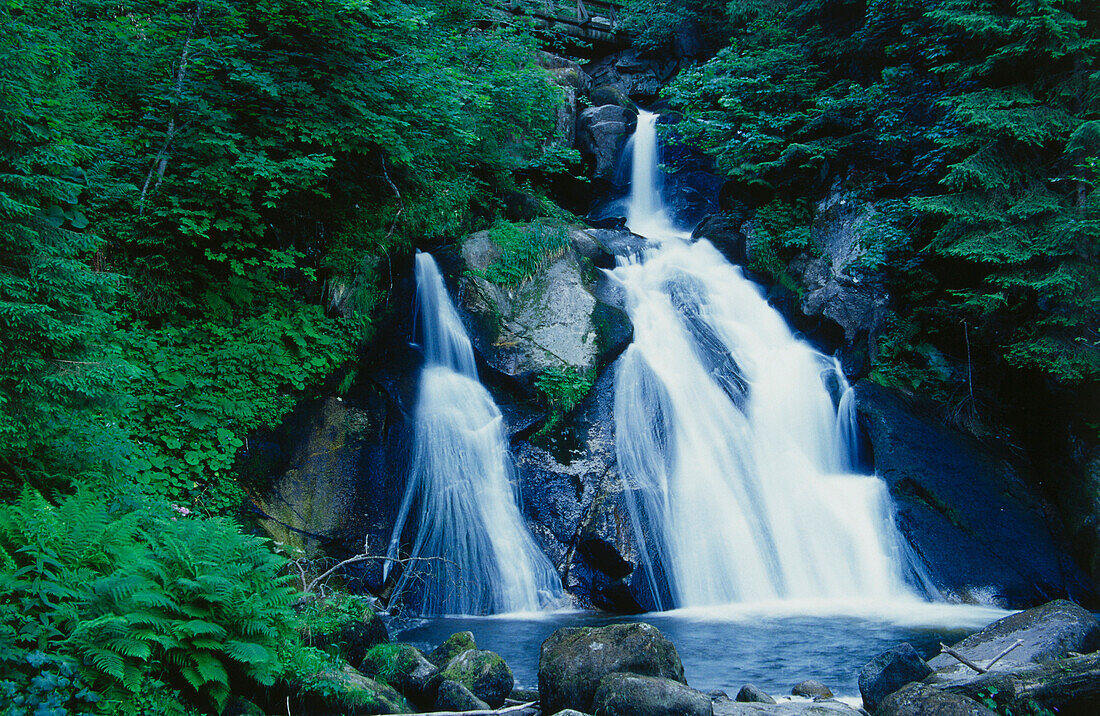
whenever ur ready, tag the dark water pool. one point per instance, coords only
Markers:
(772, 646)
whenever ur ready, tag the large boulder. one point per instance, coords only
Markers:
(484, 673)
(726, 232)
(601, 133)
(552, 320)
(982, 533)
(573, 661)
(633, 74)
(922, 700)
(888, 672)
(622, 694)
(1051, 631)
(811, 689)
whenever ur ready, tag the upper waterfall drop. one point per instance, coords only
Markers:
(472, 553)
(645, 211)
(738, 462)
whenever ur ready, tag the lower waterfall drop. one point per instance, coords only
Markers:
(472, 553)
(739, 465)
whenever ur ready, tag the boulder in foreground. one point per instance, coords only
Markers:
(574, 661)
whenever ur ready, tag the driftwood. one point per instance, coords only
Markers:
(1068, 686)
(483, 712)
(945, 649)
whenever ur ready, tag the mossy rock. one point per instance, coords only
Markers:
(455, 645)
(403, 667)
(484, 673)
(349, 693)
(574, 661)
(349, 626)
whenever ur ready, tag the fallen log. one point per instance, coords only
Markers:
(1068, 686)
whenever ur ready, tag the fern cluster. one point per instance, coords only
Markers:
(524, 250)
(141, 595)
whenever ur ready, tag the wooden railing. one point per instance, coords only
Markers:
(595, 21)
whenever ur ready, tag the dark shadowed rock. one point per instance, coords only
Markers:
(484, 673)
(452, 647)
(811, 689)
(574, 661)
(453, 696)
(922, 700)
(601, 133)
(888, 672)
(983, 534)
(633, 695)
(724, 231)
(1051, 631)
(750, 693)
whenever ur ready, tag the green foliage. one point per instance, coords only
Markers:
(782, 230)
(329, 614)
(207, 385)
(656, 25)
(972, 127)
(993, 700)
(38, 684)
(387, 662)
(563, 388)
(524, 250)
(53, 316)
(142, 593)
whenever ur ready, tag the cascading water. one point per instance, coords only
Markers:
(739, 464)
(472, 553)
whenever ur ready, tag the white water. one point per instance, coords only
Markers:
(472, 553)
(739, 460)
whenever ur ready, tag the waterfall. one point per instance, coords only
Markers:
(738, 463)
(472, 553)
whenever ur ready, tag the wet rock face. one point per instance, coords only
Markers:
(601, 133)
(1051, 631)
(839, 286)
(982, 533)
(574, 505)
(634, 695)
(574, 661)
(552, 320)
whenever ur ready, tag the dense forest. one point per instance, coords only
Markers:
(204, 203)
